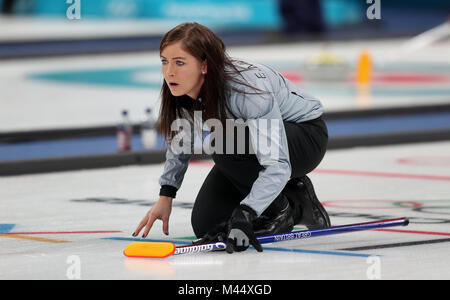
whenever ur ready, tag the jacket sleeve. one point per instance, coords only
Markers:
(269, 142)
(175, 166)
(174, 170)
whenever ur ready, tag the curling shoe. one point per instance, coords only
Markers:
(308, 210)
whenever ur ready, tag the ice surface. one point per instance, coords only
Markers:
(379, 186)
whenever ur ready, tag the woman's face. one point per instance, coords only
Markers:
(183, 73)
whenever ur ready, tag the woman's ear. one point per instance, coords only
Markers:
(204, 67)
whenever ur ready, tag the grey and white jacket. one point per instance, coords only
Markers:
(283, 101)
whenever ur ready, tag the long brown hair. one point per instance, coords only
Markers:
(203, 44)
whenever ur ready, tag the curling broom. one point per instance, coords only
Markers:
(166, 249)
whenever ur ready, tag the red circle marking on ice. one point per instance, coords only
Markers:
(407, 204)
(294, 76)
(386, 77)
(410, 77)
(440, 161)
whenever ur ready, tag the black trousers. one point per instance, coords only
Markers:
(233, 175)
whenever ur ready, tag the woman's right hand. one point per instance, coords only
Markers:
(160, 211)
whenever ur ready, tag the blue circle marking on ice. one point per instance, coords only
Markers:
(5, 228)
(133, 77)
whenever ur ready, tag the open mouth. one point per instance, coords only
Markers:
(173, 84)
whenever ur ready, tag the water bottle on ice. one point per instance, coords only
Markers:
(124, 133)
(149, 132)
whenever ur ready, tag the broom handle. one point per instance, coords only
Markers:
(296, 235)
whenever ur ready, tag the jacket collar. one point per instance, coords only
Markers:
(189, 103)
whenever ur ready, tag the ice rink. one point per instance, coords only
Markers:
(75, 224)
(53, 223)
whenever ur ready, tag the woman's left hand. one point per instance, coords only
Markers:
(160, 211)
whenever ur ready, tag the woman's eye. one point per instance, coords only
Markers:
(179, 63)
